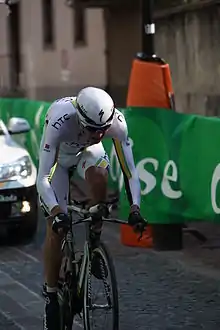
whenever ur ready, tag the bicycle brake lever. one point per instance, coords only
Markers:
(140, 237)
(141, 232)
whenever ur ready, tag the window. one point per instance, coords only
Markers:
(79, 21)
(48, 23)
(14, 23)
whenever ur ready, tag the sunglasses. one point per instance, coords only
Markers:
(97, 130)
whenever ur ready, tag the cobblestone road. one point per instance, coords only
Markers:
(158, 290)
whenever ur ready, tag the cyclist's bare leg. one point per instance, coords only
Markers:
(52, 244)
(52, 255)
(97, 180)
(52, 262)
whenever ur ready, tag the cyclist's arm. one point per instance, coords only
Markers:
(131, 178)
(126, 160)
(47, 159)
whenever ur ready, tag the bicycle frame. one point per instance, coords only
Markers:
(67, 248)
(84, 267)
(75, 269)
(69, 242)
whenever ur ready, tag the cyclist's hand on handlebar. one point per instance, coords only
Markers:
(136, 220)
(61, 223)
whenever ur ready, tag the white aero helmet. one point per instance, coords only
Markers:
(95, 108)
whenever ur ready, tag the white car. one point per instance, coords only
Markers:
(18, 195)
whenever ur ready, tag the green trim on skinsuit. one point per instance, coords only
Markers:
(102, 162)
(52, 171)
(122, 159)
(74, 103)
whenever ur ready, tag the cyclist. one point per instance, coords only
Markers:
(73, 130)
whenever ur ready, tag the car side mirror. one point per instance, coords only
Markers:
(17, 125)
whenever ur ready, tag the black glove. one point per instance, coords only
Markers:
(61, 221)
(137, 221)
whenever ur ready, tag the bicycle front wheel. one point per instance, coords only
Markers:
(100, 308)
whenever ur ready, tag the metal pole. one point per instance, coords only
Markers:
(148, 27)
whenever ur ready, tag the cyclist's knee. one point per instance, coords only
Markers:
(97, 180)
(96, 175)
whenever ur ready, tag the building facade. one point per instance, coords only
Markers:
(48, 49)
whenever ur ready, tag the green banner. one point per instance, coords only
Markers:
(177, 157)
(178, 160)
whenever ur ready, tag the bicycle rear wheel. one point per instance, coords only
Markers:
(101, 272)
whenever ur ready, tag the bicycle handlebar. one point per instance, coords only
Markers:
(112, 220)
(82, 211)
(79, 210)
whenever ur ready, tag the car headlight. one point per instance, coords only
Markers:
(22, 168)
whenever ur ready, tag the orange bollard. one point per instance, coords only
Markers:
(150, 85)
